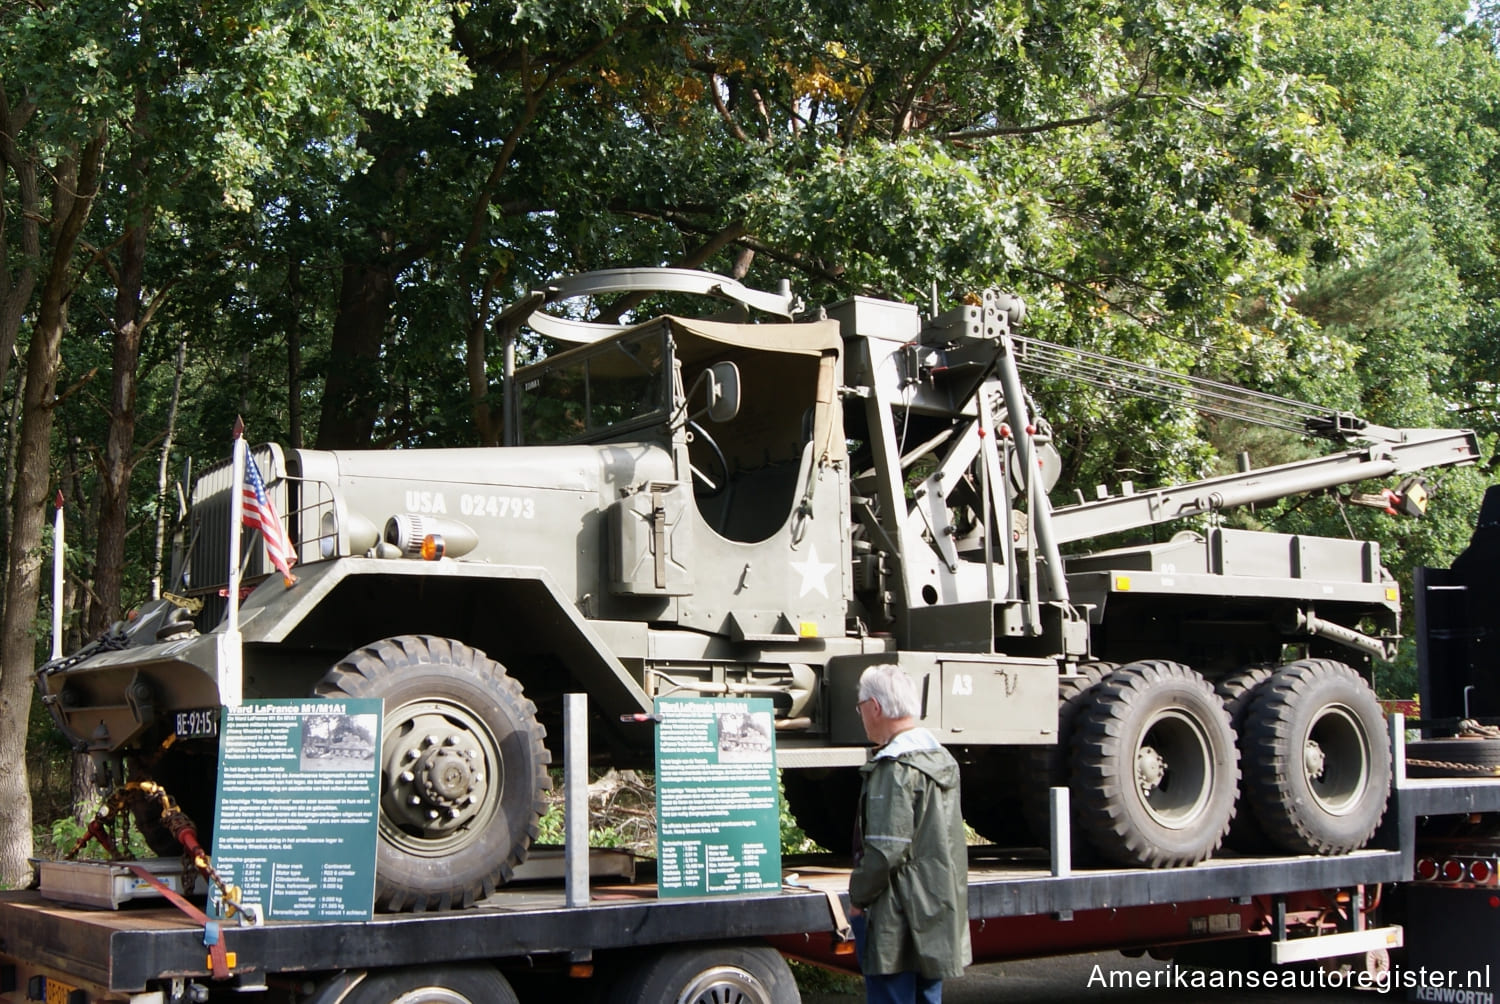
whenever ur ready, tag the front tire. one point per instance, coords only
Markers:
(1155, 768)
(463, 769)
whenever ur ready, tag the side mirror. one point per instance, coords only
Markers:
(723, 391)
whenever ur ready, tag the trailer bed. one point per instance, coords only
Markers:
(121, 950)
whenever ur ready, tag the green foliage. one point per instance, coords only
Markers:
(1295, 196)
(58, 838)
(816, 979)
(793, 840)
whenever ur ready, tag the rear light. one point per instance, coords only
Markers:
(1481, 871)
(1427, 869)
(1452, 871)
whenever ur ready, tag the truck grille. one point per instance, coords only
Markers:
(300, 504)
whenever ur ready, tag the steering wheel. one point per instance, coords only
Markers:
(713, 488)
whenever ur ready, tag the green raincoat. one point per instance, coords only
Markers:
(911, 879)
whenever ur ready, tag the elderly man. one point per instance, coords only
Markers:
(909, 886)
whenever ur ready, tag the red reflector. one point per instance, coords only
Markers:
(1494, 902)
(1426, 869)
(1480, 871)
(1452, 871)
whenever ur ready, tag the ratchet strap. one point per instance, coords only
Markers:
(218, 956)
(842, 932)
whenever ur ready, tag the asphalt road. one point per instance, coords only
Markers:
(1111, 977)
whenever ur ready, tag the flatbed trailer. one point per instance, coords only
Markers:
(615, 944)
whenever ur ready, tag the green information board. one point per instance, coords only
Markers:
(299, 797)
(718, 825)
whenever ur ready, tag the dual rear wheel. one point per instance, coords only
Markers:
(1156, 759)
(1163, 770)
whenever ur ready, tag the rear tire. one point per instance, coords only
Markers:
(1317, 767)
(725, 974)
(1237, 692)
(463, 769)
(1155, 767)
(438, 985)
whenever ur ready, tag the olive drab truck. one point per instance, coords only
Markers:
(764, 503)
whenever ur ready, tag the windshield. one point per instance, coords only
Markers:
(590, 394)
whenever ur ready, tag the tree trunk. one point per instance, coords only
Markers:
(23, 586)
(8, 482)
(118, 461)
(485, 426)
(353, 390)
(16, 290)
(294, 353)
(76, 189)
(164, 495)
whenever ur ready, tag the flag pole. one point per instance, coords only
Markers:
(231, 658)
(59, 551)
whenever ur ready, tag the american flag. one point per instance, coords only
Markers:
(261, 515)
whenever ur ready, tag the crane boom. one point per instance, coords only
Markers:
(1411, 450)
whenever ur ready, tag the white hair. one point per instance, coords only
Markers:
(892, 689)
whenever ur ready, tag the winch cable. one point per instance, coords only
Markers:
(1208, 396)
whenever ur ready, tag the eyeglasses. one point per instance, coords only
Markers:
(861, 704)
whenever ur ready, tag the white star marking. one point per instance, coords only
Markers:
(813, 573)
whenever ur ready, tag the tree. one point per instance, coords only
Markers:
(257, 94)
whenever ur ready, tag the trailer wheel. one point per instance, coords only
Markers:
(709, 974)
(437, 985)
(1238, 691)
(1154, 766)
(463, 769)
(1047, 767)
(1317, 768)
(824, 802)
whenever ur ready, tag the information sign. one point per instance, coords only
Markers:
(718, 826)
(299, 797)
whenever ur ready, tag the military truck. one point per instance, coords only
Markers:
(764, 504)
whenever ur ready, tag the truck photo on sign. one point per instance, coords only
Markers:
(299, 789)
(718, 825)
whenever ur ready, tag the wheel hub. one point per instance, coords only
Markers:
(1150, 769)
(438, 783)
(1174, 769)
(1313, 760)
(724, 985)
(446, 777)
(1337, 759)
